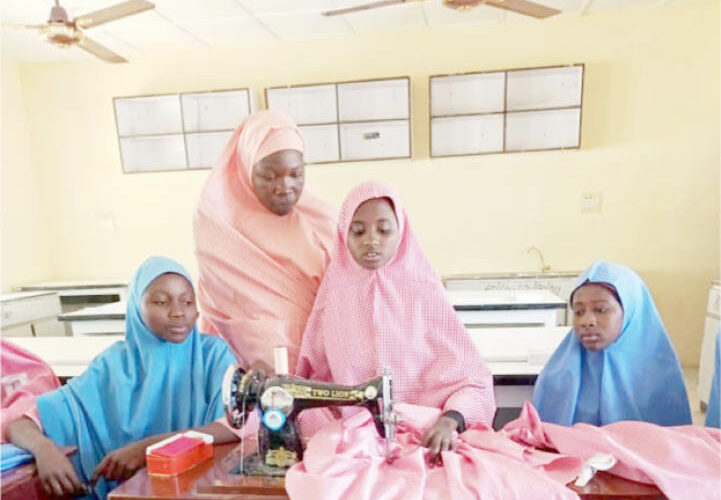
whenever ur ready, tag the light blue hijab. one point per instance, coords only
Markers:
(712, 412)
(637, 377)
(138, 387)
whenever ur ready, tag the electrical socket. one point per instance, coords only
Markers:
(591, 202)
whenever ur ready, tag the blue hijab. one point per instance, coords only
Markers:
(637, 377)
(713, 410)
(138, 387)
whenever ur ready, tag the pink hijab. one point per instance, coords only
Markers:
(259, 272)
(395, 317)
(24, 377)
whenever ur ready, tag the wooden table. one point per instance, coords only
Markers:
(212, 480)
(22, 483)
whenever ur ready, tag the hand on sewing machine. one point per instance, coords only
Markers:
(121, 463)
(440, 438)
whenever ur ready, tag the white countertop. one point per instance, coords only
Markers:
(8, 297)
(70, 284)
(500, 298)
(67, 356)
(112, 310)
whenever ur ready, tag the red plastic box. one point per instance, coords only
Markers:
(178, 453)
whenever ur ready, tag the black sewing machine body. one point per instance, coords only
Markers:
(281, 399)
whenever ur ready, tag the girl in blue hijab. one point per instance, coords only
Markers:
(163, 378)
(617, 362)
(713, 409)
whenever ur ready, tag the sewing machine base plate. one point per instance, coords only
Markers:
(253, 466)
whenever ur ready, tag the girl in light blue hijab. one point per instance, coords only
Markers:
(164, 377)
(617, 363)
(713, 410)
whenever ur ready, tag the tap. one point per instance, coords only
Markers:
(544, 267)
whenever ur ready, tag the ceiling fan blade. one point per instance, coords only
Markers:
(111, 13)
(524, 7)
(100, 51)
(366, 6)
(16, 26)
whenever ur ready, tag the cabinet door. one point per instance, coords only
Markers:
(148, 115)
(214, 111)
(544, 88)
(468, 94)
(321, 143)
(375, 140)
(204, 149)
(462, 135)
(313, 104)
(536, 130)
(374, 100)
(143, 154)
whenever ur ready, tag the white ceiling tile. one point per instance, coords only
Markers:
(187, 11)
(24, 11)
(230, 32)
(401, 16)
(307, 26)
(149, 31)
(598, 5)
(438, 14)
(284, 7)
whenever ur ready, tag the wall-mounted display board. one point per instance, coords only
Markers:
(506, 111)
(177, 131)
(349, 121)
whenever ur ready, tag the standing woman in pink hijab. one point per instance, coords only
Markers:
(262, 244)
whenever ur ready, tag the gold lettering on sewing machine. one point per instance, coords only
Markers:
(308, 392)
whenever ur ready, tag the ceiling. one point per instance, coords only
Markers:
(215, 24)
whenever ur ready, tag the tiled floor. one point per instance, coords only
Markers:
(690, 374)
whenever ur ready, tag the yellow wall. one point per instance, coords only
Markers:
(650, 146)
(24, 255)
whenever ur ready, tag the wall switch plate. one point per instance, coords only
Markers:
(591, 202)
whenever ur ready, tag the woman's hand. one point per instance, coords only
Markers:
(440, 438)
(122, 463)
(55, 471)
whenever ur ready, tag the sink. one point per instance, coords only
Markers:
(512, 275)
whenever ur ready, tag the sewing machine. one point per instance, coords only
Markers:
(280, 399)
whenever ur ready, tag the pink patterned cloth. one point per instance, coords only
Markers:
(396, 317)
(24, 377)
(684, 462)
(346, 461)
(259, 272)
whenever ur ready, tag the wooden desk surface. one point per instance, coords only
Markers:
(22, 483)
(212, 480)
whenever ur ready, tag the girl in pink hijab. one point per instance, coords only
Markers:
(24, 377)
(381, 305)
(261, 247)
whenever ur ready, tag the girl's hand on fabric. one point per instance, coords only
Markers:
(121, 464)
(439, 438)
(56, 472)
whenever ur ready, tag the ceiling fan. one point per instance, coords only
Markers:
(524, 7)
(62, 32)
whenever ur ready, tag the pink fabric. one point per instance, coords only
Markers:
(396, 317)
(683, 462)
(346, 460)
(259, 272)
(24, 377)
